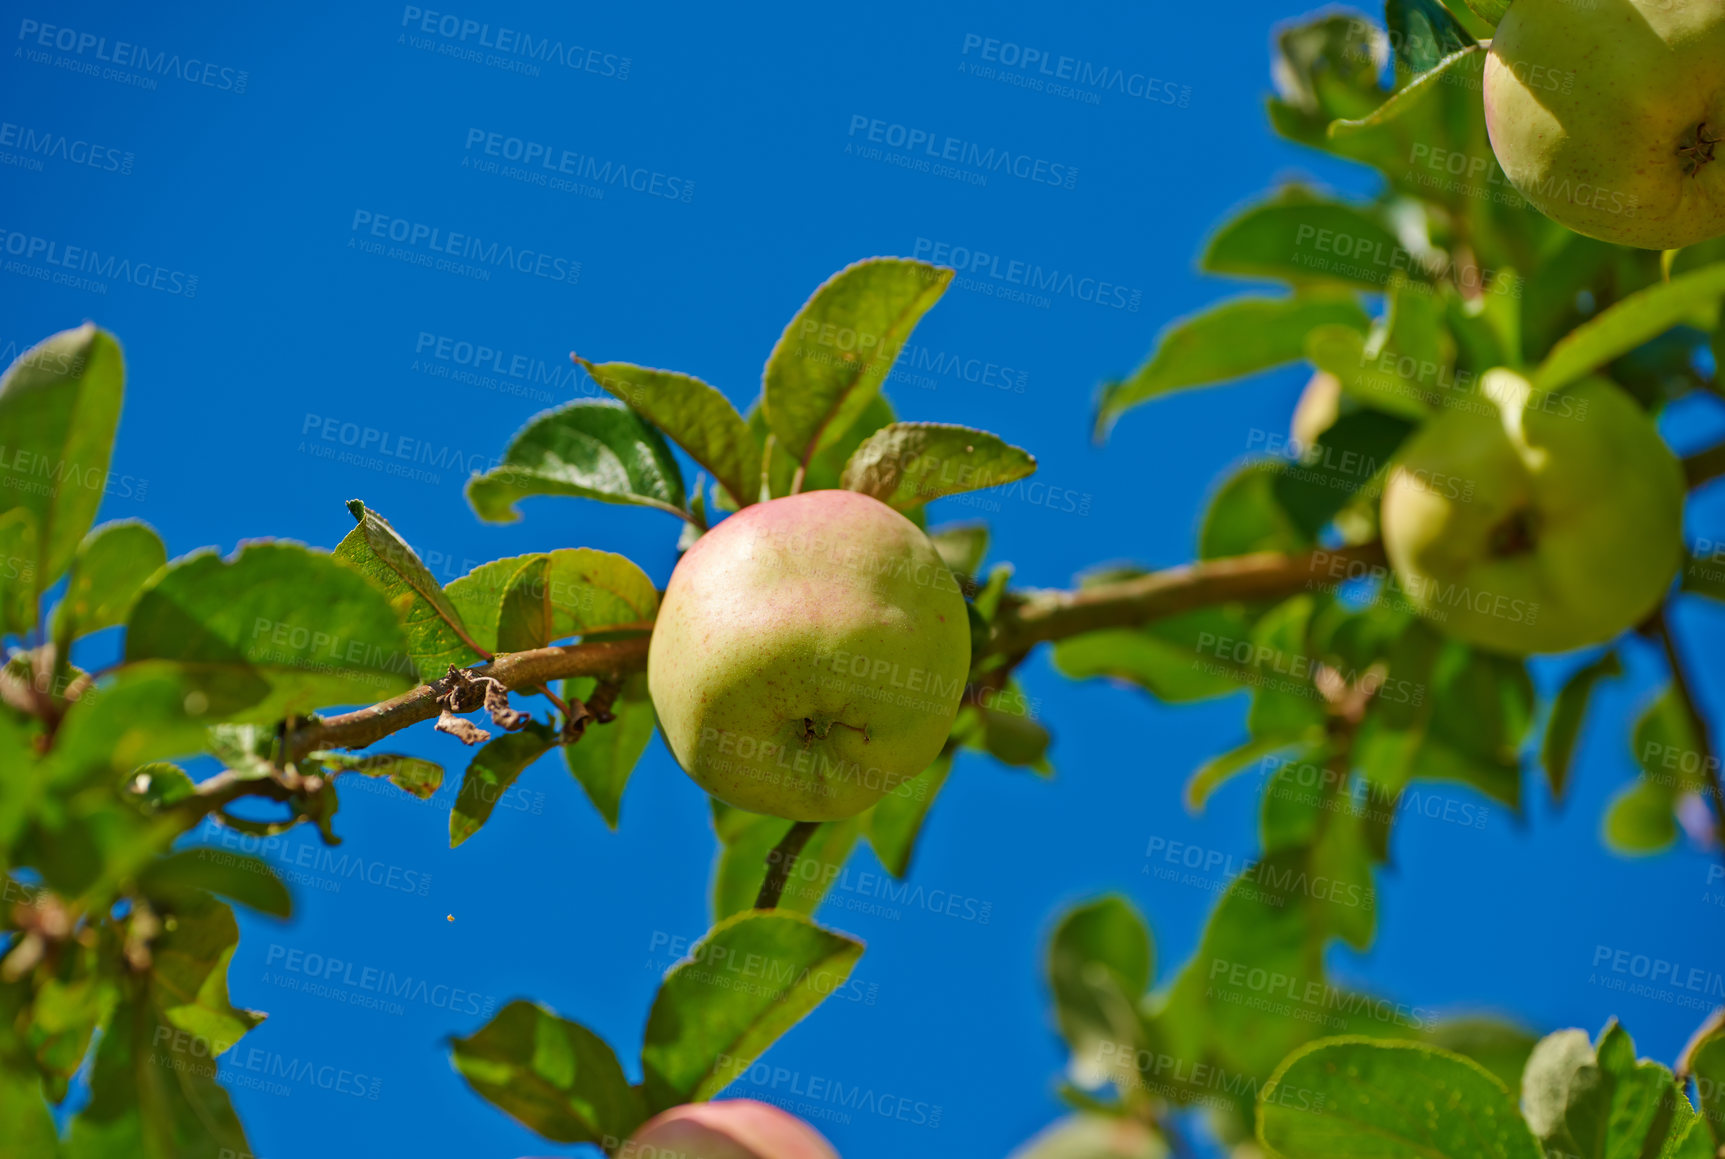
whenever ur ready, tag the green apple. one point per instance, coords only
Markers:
(1606, 115)
(728, 1129)
(809, 656)
(1535, 521)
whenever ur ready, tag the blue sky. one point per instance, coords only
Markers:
(265, 170)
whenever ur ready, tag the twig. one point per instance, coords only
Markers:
(780, 862)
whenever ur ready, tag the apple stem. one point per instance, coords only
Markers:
(782, 860)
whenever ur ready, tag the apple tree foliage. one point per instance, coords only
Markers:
(117, 925)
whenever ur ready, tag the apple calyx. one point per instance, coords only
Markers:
(1697, 149)
(813, 732)
(1516, 534)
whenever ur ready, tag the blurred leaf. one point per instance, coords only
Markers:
(961, 545)
(411, 775)
(704, 1030)
(1234, 339)
(1304, 241)
(491, 774)
(29, 1124)
(18, 565)
(1427, 32)
(1342, 353)
(1093, 1136)
(1217, 771)
(838, 349)
(238, 877)
(1351, 1097)
(1166, 657)
(1100, 962)
(1013, 738)
(1691, 297)
(1490, 11)
(1325, 68)
(1245, 516)
(895, 822)
(606, 754)
(697, 417)
(1499, 1047)
(589, 449)
(317, 633)
(746, 843)
(1598, 1100)
(1704, 1060)
(1568, 713)
(551, 1075)
(160, 785)
(1641, 817)
(908, 464)
(153, 1088)
(59, 408)
(436, 635)
(109, 569)
(1341, 465)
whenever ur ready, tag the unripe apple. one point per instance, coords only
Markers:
(1535, 521)
(809, 656)
(730, 1129)
(1606, 115)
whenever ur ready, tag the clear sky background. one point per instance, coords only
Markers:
(294, 331)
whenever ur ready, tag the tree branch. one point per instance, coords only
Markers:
(1046, 616)
(514, 670)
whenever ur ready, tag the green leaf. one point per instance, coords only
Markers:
(1342, 465)
(18, 566)
(493, 770)
(697, 418)
(436, 635)
(1568, 712)
(1356, 1097)
(30, 1129)
(1597, 1100)
(238, 877)
(59, 408)
(316, 632)
(160, 785)
(1231, 340)
(1641, 817)
(962, 546)
(908, 464)
(837, 351)
(1245, 516)
(411, 775)
(589, 449)
(1490, 11)
(746, 844)
(896, 820)
(527, 601)
(1304, 241)
(110, 568)
(828, 463)
(606, 754)
(1704, 1060)
(551, 1075)
(1427, 32)
(1628, 323)
(753, 977)
(153, 1088)
(1100, 962)
(492, 601)
(1217, 771)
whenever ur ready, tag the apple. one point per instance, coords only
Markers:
(809, 656)
(1535, 521)
(1606, 115)
(729, 1129)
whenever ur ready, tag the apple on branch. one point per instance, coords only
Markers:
(809, 656)
(1536, 521)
